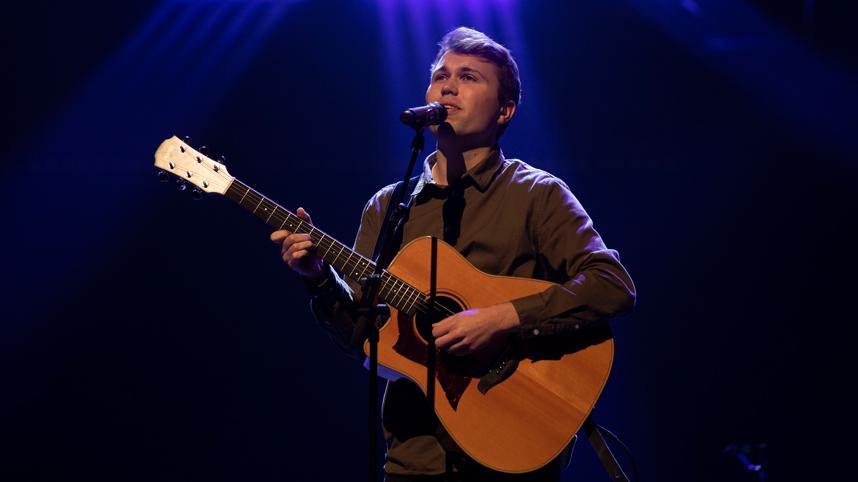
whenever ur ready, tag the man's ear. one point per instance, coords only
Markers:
(506, 112)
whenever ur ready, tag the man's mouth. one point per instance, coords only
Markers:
(451, 107)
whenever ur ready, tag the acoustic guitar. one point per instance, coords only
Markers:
(512, 408)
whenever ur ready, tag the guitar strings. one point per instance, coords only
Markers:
(420, 304)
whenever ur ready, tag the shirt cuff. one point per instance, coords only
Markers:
(529, 309)
(327, 290)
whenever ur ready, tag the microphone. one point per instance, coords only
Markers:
(426, 115)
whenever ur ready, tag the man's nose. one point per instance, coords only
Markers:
(450, 87)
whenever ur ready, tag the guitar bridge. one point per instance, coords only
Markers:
(499, 373)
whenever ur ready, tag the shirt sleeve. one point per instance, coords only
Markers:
(333, 301)
(592, 284)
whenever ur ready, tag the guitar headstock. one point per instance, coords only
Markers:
(178, 158)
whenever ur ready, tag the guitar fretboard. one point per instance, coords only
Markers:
(393, 290)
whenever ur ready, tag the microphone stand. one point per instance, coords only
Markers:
(369, 311)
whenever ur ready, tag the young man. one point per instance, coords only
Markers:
(506, 218)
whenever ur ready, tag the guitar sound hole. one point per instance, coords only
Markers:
(466, 365)
(444, 307)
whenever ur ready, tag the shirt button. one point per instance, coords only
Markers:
(536, 332)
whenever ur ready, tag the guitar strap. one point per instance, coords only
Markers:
(608, 459)
(394, 215)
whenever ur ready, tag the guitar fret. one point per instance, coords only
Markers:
(397, 292)
(272, 214)
(245, 194)
(334, 262)
(400, 291)
(346, 267)
(365, 269)
(392, 290)
(328, 248)
(412, 298)
(407, 293)
(359, 274)
(383, 288)
(410, 309)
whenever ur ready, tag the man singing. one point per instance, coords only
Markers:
(506, 218)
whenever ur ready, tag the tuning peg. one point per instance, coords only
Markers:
(180, 185)
(204, 150)
(163, 176)
(222, 159)
(187, 140)
(196, 194)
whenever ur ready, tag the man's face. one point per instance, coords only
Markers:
(468, 87)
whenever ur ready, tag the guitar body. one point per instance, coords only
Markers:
(526, 420)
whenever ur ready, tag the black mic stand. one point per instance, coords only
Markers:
(369, 311)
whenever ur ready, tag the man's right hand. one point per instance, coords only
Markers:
(299, 252)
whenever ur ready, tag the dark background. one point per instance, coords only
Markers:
(148, 337)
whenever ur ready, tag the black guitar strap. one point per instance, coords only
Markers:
(395, 215)
(597, 441)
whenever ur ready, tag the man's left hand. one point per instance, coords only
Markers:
(469, 331)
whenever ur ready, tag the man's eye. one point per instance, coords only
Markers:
(469, 77)
(440, 77)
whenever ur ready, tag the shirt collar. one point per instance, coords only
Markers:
(482, 174)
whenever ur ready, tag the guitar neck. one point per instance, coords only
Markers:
(352, 265)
